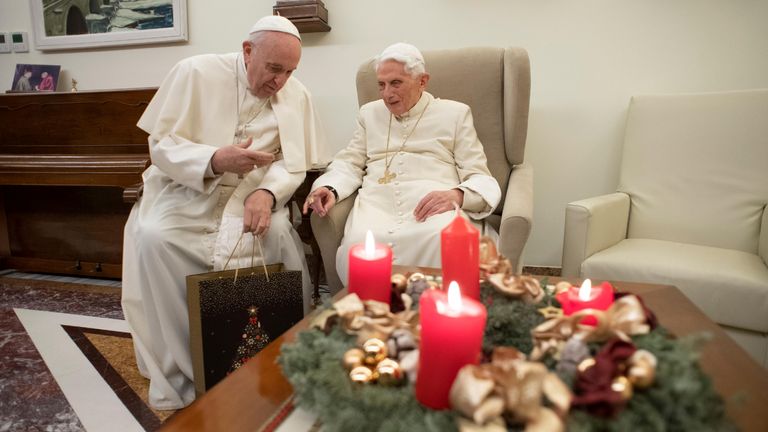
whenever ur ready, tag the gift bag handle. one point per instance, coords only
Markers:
(257, 241)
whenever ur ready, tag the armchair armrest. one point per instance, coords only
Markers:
(517, 215)
(328, 232)
(591, 225)
(762, 248)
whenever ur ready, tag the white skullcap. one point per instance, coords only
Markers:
(405, 53)
(275, 23)
(401, 50)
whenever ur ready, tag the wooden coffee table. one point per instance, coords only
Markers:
(250, 397)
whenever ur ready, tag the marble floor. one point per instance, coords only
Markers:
(67, 357)
(67, 360)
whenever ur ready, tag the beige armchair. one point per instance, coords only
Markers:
(495, 83)
(690, 209)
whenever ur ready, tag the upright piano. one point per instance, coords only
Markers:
(70, 171)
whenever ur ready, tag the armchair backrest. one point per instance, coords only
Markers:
(494, 82)
(696, 168)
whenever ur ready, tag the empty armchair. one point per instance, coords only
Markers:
(690, 209)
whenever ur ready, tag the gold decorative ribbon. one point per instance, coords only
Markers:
(513, 387)
(526, 288)
(368, 319)
(624, 318)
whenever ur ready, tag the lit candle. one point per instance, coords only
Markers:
(586, 297)
(452, 330)
(459, 247)
(370, 270)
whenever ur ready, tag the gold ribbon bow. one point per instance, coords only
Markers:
(368, 319)
(513, 386)
(526, 288)
(624, 318)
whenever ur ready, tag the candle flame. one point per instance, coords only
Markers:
(585, 292)
(370, 245)
(454, 297)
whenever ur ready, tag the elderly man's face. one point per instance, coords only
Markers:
(399, 90)
(270, 62)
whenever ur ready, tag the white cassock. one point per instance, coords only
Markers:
(441, 153)
(174, 229)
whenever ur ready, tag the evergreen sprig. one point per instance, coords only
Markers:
(681, 399)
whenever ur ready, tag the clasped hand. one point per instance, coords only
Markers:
(238, 159)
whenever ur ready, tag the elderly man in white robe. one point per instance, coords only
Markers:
(231, 137)
(414, 158)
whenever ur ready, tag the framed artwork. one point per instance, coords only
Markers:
(75, 24)
(35, 78)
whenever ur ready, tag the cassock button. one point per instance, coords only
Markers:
(397, 183)
(399, 213)
(400, 172)
(391, 231)
(397, 192)
(400, 162)
(399, 203)
(390, 244)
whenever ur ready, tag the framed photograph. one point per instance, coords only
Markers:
(75, 24)
(35, 78)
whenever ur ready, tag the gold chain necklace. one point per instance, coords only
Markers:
(389, 176)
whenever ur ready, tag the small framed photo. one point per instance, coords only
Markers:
(31, 78)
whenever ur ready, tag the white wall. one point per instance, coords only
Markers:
(587, 57)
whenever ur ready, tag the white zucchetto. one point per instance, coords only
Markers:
(400, 51)
(275, 23)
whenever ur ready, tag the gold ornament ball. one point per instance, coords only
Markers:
(622, 386)
(399, 283)
(353, 358)
(641, 376)
(361, 375)
(375, 351)
(389, 373)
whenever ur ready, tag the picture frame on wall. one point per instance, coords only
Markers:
(76, 24)
(33, 78)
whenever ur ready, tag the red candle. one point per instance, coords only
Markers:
(586, 297)
(452, 330)
(370, 270)
(459, 247)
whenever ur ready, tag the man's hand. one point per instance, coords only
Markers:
(258, 212)
(437, 202)
(321, 200)
(237, 159)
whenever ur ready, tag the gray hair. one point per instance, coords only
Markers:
(404, 53)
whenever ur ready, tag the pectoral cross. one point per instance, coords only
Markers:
(388, 176)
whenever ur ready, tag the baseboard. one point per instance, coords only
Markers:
(543, 270)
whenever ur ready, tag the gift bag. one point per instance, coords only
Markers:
(233, 314)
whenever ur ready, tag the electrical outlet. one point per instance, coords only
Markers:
(5, 42)
(19, 42)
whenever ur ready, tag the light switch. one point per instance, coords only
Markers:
(5, 43)
(19, 42)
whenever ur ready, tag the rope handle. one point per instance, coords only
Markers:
(253, 254)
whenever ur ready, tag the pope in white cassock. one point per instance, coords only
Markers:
(412, 157)
(231, 137)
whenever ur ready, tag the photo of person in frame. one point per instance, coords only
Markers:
(35, 78)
